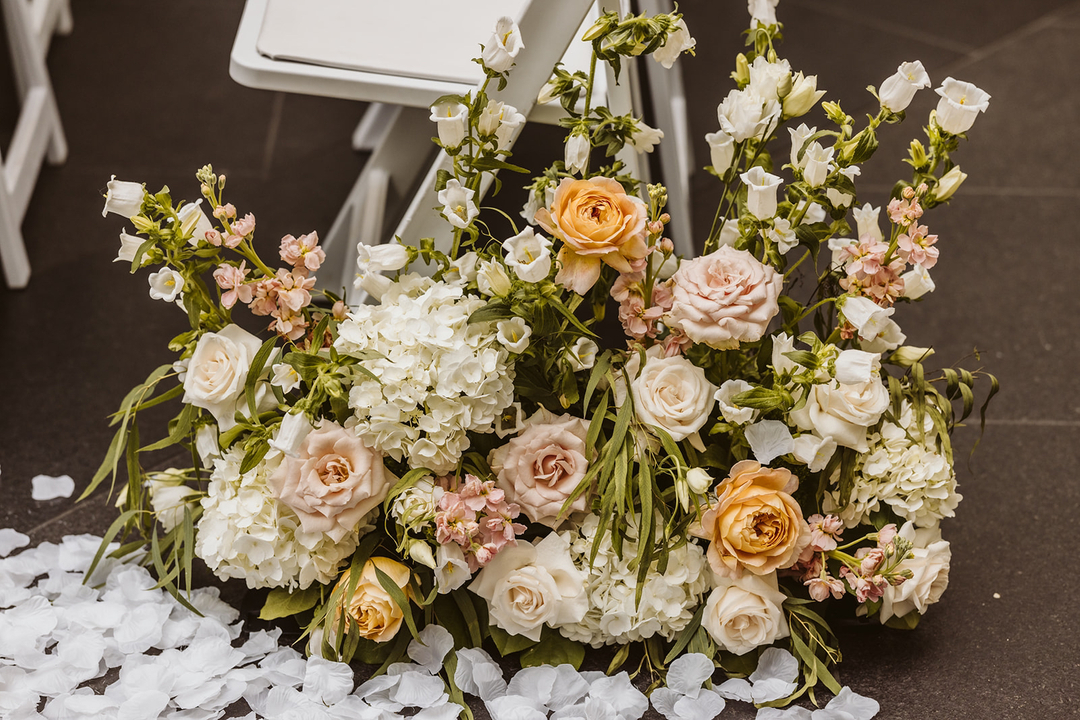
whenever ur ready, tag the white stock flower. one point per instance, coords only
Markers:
(762, 11)
(129, 245)
(744, 115)
(644, 138)
(960, 104)
(458, 206)
(866, 220)
(769, 439)
(721, 150)
(503, 46)
(765, 77)
(123, 198)
(491, 278)
(678, 41)
(949, 183)
(529, 255)
(761, 192)
(673, 394)
(799, 136)
(166, 284)
(514, 334)
(218, 370)
(732, 413)
(582, 356)
(897, 90)
(745, 613)
(803, 96)
(930, 574)
(285, 377)
(917, 282)
(818, 164)
(452, 119)
(782, 235)
(576, 156)
(529, 586)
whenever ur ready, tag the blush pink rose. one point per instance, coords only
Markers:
(540, 468)
(725, 298)
(332, 483)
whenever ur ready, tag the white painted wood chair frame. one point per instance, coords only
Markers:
(38, 133)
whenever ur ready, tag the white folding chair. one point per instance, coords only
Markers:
(38, 134)
(396, 127)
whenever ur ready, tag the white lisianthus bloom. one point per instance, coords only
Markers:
(866, 220)
(798, 139)
(123, 198)
(843, 199)
(930, 574)
(733, 413)
(744, 115)
(193, 222)
(491, 279)
(166, 284)
(856, 366)
(960, 104)
(949, 183)
(818, 164)
(504, 45)
(672, 393)
(745, 613)
(644, 138)
(582, 356)
(766, 77)
(514, 334)
(769, 439)
(576, 156)
(528, 255)
(762, 11)
(898, 90)
(721, 150)
(285, 377)
(452, 119)
(678, 41)
(129, 245)
(458, 206)
(218, 370)
(803, 96)
(917, 282)
(761, 192)
(813, 451)
(530, 586)
(782, 235)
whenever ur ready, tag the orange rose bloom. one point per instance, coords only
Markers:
(598, 223)
(375, 613)
(755, 523)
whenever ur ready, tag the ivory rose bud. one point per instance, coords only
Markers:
(217, 371)
(542, 466)
(745, 613)
(754, 524)
(530, 586)
(843, 412)
(598, 223)
(725, 298)
(375, 613)
(332, 483)
(930, 574)
(673, 393)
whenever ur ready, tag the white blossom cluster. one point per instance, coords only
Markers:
(244, 532)
(906, 473)
(439, 376)
(667, 600)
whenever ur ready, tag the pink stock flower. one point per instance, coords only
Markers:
(478, 519)
(231, 278)
(294, 293)
(213, 237)
(886, 534)
(637, 320)
(866, 589)
(287, 324)
(824, 532)
(905, 212)
(303, 252)
(662, 296)
(821, 587)
(676, 342)
(917, 247)
(625, 285)
(871, 560)
(240, 229)
(227, 210)
(265, 300)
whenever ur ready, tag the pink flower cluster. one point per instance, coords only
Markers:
(824, 533)
(869, 580)
(303, 252)
(868, 274)
(637, 318)
(478, 519)
(916, 246)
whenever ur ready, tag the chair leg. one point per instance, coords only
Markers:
(373, 126)
(12, 250)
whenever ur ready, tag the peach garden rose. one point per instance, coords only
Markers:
(598, 224)
(375, 613)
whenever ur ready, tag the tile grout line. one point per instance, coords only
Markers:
(1033, 423)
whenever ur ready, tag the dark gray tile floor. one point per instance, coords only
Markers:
(145, 94)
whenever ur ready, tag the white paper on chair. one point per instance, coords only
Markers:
(431, 39)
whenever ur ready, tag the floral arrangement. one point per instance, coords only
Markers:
(464, 450)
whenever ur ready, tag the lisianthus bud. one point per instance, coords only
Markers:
(906, 356)
(742, 70)
(803, 96)
(698, 480)
(949, 183)
(420, 552)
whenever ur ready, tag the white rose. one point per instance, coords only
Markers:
(530, 586)
(930, 568)
(746, 613)
(166, 285)
(529, 255)
(743, 115)
(843, 412)
(734, 414)
(672, 393)
(217, 371)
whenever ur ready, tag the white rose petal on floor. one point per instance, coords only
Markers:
(46, 487)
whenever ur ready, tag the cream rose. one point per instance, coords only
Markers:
(375, 613)
(598, 223)
(843, 412)
(217, 371)
(530, 586)
(725, 298)
(745, 613)
(540, 468)
(754, 524)
(672, 393)
(930, 574)
(332, 482)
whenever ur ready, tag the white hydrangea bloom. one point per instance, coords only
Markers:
(244, 532)
(441, 377)
(912, 478)
(667, 600)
